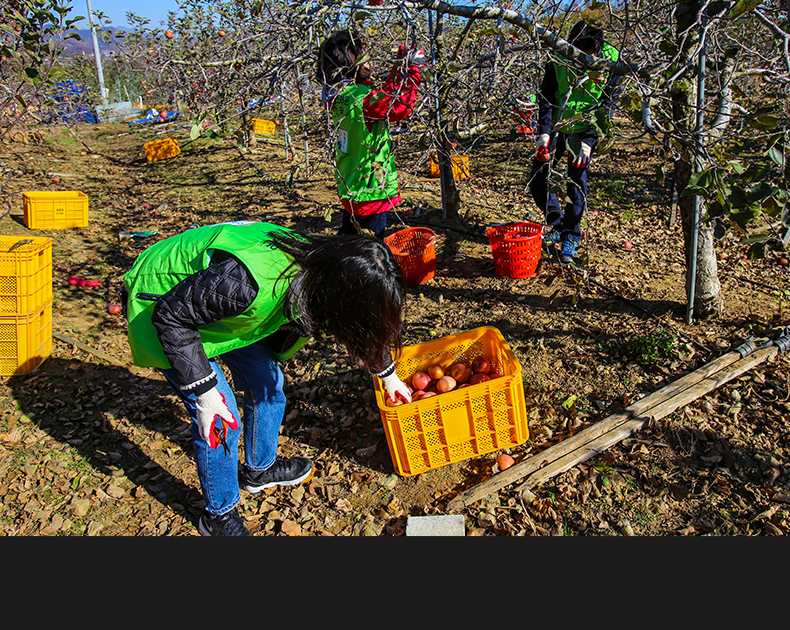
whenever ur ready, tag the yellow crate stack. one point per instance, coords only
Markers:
(25, 303)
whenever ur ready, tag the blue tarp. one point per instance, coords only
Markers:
(72, 103)
(152, 117)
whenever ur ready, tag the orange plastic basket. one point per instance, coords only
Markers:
(444, 429)
(516, 248)
(415, 251)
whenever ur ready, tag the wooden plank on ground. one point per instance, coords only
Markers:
(597, 438)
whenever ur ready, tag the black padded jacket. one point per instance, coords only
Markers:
(224, 289)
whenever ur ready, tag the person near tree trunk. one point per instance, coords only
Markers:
(568, 98)
(367, 181)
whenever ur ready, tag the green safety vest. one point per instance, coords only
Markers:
(166, 263)
(365, 165)
(584, 98)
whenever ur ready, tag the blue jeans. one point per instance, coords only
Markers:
(257, 374)
(376, 223)
(567, 221)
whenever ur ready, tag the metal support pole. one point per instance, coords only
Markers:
(698, 146)
(442, 149)
(97, 55)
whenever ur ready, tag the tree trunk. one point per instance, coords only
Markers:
(708, 298)
(451, 198)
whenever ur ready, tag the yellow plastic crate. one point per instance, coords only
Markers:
(25, 274)
(268, 127)
(161, 149)
(55, 210)
(458, 163)
(25, 341)
(460, 424)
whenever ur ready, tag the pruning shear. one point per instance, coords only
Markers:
(219, 434)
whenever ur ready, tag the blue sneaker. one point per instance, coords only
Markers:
(552, 237)
(569, 250)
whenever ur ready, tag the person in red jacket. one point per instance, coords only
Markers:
(360, 114)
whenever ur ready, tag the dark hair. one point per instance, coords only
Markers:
(349, 287)
(337, 57)
(586, 37)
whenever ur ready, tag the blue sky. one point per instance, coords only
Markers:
(116, 10)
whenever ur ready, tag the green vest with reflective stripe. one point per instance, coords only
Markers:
(584, 98)
(365, 165)
(166, 263)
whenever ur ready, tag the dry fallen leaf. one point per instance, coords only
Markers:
(291, 528)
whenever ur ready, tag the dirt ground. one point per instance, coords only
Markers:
(91, 445)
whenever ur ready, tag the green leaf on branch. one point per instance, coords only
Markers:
(574, 144)
(764, 122)
(194, 132)
(761, 191)
(746, 214)
(776, 154)
(742, 6)
(772, 206)
(668, 48)
(212, 134)
(701, 183)
(604, 146)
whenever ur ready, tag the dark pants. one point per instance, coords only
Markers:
(376, 223)
(567, 221)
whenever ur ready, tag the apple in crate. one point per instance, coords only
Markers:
(461, 372)
(420, 381)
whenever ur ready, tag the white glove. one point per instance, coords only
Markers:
(396, 388)
(210, 405)
(584, 158)
(417, 58)
(543, 141)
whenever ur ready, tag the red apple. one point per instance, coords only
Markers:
(55, 179)
(627, 245)
(169, 34)
(505, 461)
(114, 309)
(427, 395)
(481, 365)
(221, 33)
(445, 384)
(479, 378)
(435, 371)
(420, 381)
(461, 372)
(417, 395)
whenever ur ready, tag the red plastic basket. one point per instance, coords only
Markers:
(516, 248)
(414, 250)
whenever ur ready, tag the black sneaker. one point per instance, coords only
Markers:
(283, 472)
(228, 524)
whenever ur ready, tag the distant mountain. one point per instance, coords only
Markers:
(76, 47)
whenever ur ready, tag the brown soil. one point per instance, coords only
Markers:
(93, 447)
